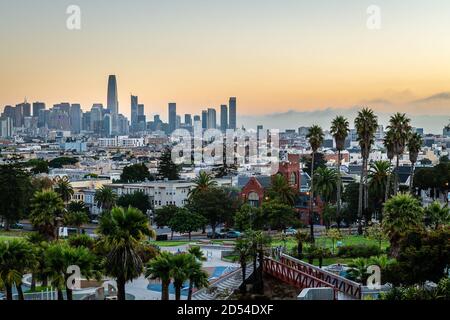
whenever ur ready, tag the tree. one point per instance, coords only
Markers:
(281, 190)
(122, 229)
(249, 217)
(75, 219)
(277, 214)
(243, 250)
(64, 189)
(315, 137)
(167, 169)
(358, 270)
(138, 200)
(46, 209)
(326, 180)
(366, 124)
(376, 232)
(78, 206)
(389, 144)
(105, 198)
(214, 204)
(196, 276)
(16, 258)
(179, 271)
(62, 161)
(400, 126)
(159, 268)
(163, 216)
(37, 166)
(319, 162)
(402, 213)
(340, 130)
(334, 235)
(414, 145)
(203, 182)
(350, 197)
(135, 173)
(41, 183)
(301, 237)
(185, 222)
(15, 192)
(59, 256)
(437, 215)
(378, 176)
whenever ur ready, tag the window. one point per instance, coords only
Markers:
(253, 199)
(292, 179)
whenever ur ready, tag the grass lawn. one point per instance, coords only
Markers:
(326, 242)
(170, 243)
(12, 234)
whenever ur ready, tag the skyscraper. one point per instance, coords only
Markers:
(232, 122)
(197, 118)
(36, 107)
(113, 102)
(188, 119)
(224, 117)
(172, 117)
(212, 121)
(75, 118)
(134, 112)
(204, 119)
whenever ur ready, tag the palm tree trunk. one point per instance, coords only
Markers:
(411, 180)
(388, 183)
(396, 183)
(69, 294)
(311, 201)
(60, 294)
(20, 292)
(33, 282)
(177, 292)
(338, 190)
(120, 288)
(9, 295)
(244, 271)
(360, 198)
(300, 249)
(191, 287)
(165, 290)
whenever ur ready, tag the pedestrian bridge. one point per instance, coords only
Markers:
(304, 275)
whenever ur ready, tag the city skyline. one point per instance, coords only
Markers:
(276, 57)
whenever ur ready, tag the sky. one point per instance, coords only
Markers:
(298, 60)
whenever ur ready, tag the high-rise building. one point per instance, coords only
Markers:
(224, 117)
(113, 102)
(26, 109)
(187, 120)
(96, 118)
(232, 111)
(107, 122)
(172, 117)
(86, 121)
(43, 117)
(6, 125)
(204, 119)
(212, 121)
(36, 107)
(197, 118)
(75, 118)
(134, 112)
(18, 116)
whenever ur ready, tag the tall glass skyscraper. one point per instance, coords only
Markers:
(134, 112)
(232, 122)
(224, 117)
(113, 102)
(172, 117)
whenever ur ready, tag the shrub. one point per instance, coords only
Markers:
(81, 240)
(359, 251)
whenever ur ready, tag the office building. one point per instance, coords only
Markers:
(232, 113)
(212, 122)
(224, 117)
(172, 117)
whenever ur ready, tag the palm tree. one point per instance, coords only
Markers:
(339, 129)
(59, 256)
(382, 261)
(197, 252)
(63, 188)
(105, 198)
(159, 268)
(358, 270)
(366, 124)
(301, 237)
(402, 213)
(389, 143)
(243, 250)
(315, 137)
(75, 219)
(400, 126)
(180, 271)
(280, 189)
(197, 277)
(39, 245)
(202, 182)
(378, 177)
(414, 145)
(46, 209)
(16, 258)
(437, 214)
(326, 180)
(122, 229)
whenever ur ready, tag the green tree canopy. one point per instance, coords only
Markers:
(135, 173)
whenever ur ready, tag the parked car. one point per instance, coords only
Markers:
(17, 226)
(94, 221)
(233, 234)
(290, 232)
(222, 234)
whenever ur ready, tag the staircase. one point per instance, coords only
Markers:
(223, 287)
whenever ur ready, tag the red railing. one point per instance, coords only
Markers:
(305, 275)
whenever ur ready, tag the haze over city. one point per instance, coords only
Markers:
(304, 62)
